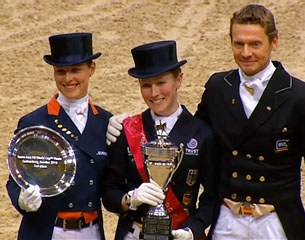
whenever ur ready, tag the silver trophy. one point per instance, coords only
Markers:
(41, 156)
(161, 159)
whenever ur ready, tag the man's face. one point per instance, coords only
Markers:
(251, 47)
(73, 81)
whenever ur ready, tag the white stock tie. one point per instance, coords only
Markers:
(252, 87)
(79, 116)
(255, 88)
(250, 93)
(76, 109)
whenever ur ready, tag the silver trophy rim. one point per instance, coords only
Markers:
(67, 155)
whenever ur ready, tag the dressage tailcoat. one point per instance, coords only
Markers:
(261, 156)
(198, 167)
(91, 155)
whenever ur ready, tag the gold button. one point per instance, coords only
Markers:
(56, 121)
(234, 152)
(262, 179)
(248, 177)
(234, 175)
(261, 200)
(59, 126)
(234, 196)
(248, 155)
(284, 129)
(64, 129)
(248, 198)
(268, 108)
(261, 158)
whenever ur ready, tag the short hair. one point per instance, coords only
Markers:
(255, 14)
(176, 71)
(89, 63)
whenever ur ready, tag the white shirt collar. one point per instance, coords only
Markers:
(169, 120)
(72, 104)
(77, 110)
(263, 75)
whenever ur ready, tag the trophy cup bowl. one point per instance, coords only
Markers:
(40, 156)
(161, 160)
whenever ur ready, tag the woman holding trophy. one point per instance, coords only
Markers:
(47, 211)
(130, 187)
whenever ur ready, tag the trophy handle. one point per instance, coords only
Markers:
(180, 153)
(180, 157)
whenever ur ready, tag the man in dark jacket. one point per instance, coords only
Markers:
(258, 113)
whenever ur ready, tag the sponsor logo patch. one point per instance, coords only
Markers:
(192, 147)
(281, 145)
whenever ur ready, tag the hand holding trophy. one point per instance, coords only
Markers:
(161, 159)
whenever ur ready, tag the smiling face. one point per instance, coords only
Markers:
(252, 47)
(73, 81)
(160, 93)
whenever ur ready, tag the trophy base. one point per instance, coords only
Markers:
(157, 228)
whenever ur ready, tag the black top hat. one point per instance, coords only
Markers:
(70, 49)
(154, 58)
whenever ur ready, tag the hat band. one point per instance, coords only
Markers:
(69, 59)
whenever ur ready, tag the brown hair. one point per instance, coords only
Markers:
(89, 63)
(255, 14)
(175, 71)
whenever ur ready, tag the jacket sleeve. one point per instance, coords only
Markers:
(114, 183)
(202, 107)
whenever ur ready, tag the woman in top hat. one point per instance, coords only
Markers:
(127, 188)
(75, 213)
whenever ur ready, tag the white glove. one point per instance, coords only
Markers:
(30, 199)
(183, 234)
(115, 127)
(149, 193)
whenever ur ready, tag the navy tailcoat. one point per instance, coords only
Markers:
(262, 155)
(91, 155)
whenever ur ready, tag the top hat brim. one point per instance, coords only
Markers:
(134, 73)
(69, 61)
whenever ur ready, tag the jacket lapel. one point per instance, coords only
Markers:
(230, 92)
(184, 127)
(92, 130)
(61, 122)
(149, 126)
(275, 94)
